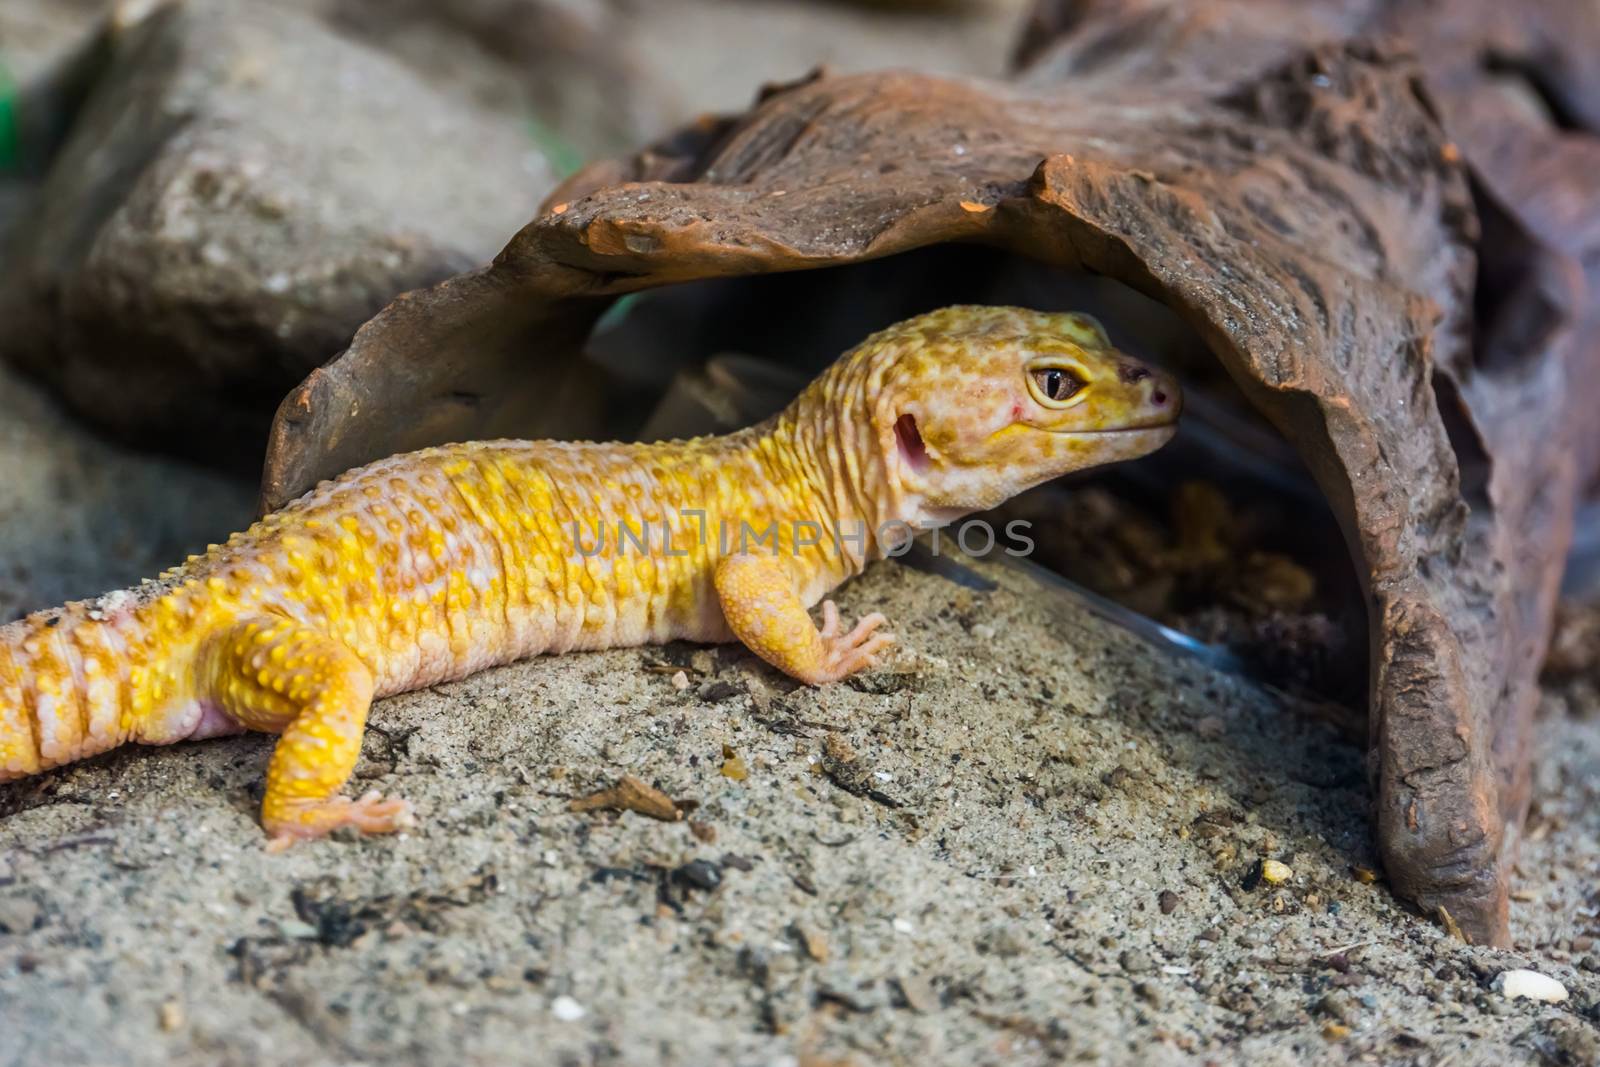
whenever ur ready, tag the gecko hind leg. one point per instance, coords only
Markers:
(278, 676)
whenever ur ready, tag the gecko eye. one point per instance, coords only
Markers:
(1055, 384)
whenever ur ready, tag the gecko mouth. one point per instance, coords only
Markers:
(1169, 428)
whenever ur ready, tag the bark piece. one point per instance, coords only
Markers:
(630, 794)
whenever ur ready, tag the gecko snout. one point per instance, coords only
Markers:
(1155, 392)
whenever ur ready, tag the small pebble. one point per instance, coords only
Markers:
(814, 941)
(19, 914)
(1136, 962)
(1529, 984)
(698, 874)
(566, 1009)
(1340, 1007)
(918, 994)
(171, 1016)
(719, 690)
(1001, 941)
(680, 681)
(1275, 873)
(733, 765)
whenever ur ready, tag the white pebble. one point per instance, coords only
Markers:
(1529, 984)
(903, 926)
(680, 681)
(566, 1009)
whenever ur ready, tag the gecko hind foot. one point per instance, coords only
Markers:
(845, 654)
(370, 813)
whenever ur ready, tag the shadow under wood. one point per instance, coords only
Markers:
(1222, 535)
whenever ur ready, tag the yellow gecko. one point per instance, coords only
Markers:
(427, 567)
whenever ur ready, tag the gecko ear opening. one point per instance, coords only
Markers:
(912, 450)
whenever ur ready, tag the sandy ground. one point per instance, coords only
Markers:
(1027, 839)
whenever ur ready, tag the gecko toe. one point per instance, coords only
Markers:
(370, 813)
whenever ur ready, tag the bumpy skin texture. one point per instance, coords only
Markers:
(430, 566)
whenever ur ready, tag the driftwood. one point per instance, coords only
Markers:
(1385, 253)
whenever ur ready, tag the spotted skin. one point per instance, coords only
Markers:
(430, 566)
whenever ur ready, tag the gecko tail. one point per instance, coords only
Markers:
(64, 685)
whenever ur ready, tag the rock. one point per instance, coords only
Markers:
(1340, 1007)
(918, 993)
(1136, 962)
(1274, 872)
(213, 228)
(566, 61)
(567, 1010)
(1003, 941)
(1568, 1041)
(1151, 994)
(812, 939)
(297, 930)
(697, 874)
(19, 915)
(1530, 985)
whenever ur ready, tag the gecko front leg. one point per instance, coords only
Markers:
(762, 608)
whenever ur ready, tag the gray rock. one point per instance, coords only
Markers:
(1136, 962)
(19, 914)
(242, 189)
(1004, 941)
(572, 63)
(1340, 1007)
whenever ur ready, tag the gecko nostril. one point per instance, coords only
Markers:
(1158, 398)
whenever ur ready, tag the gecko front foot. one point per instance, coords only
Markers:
(302, 820)
(845, 654)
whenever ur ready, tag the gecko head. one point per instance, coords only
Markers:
(979, 403)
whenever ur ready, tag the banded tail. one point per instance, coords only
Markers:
(68, 677)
